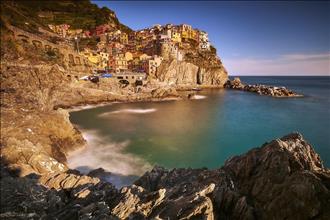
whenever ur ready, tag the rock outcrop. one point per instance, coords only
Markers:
(55, 196)
(283, 179)
(261, 89)
(184, 74)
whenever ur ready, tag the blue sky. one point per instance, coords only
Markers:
(252, 38)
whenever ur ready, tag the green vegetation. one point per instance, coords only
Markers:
(79, 14)
(88, 43)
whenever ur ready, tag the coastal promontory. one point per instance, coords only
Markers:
(57, 55)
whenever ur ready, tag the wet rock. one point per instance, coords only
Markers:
(261, 89)
(283, 179)
(279, 179)
(166, 92)
(28, 157)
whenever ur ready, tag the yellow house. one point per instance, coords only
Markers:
(176, 36)
(184, 34)
(94, 58)
(104, 60)
(128, 56)
(138, 45)
(194, 35)
(189, 34)
(123, 38)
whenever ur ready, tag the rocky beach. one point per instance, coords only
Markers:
(282, 179)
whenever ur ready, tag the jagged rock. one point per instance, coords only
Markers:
(29, 158)
(99, 172)
(164, 92)
(283, 179)
(234, 84)
(261, 89)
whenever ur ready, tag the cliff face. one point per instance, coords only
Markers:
(283, 179)
(186, 74)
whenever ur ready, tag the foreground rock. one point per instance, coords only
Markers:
(261, 89)
(283, 179)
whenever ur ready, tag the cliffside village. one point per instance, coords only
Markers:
(139, 52)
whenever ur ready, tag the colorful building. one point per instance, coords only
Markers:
(203, 40)
(128, 56)
(153, 64)
(188, 33)
(118, 63)
(114, 48)
(176, 36)
(61, 29)
(123, 38)
(93, 58)
(104, 60)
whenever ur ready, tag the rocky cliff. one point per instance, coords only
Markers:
(188, 75)
(283, 179)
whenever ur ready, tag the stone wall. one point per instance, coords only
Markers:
(71, 59)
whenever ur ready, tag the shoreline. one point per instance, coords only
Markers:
(78, 108)
(86, 106)
(75, 108)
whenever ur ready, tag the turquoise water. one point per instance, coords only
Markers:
(128, 139)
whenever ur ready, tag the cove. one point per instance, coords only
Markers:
(127, 139)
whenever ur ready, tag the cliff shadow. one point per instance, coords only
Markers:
(26, 198)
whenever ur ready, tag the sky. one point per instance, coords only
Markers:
(252, 38)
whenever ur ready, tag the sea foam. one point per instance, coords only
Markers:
(130, 111)
(85, 107)
(199, 97)
(108, 154)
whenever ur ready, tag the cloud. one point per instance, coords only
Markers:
(288, 64)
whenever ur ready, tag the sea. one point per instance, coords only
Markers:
(128, 139)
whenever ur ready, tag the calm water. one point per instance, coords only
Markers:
(128, 139)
